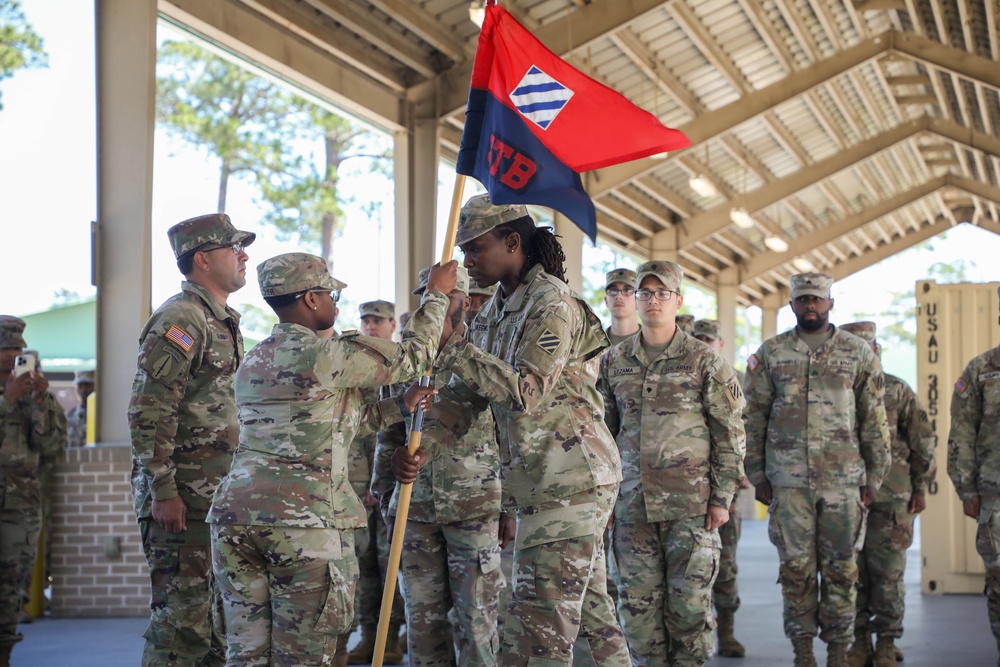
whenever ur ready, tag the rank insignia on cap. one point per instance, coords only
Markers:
(180, 337)
(548, 341)
(961, 385)
(752, 362)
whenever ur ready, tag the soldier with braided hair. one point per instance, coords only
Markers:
(525, 359)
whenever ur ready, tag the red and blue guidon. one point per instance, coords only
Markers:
(534, 123)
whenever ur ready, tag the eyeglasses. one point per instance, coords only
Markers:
(660, 294)
(237, 248)
(334, 294)
(624, 291)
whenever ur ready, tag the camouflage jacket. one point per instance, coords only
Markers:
(361, 454)
(974, 438)
(912, 443)
(76, 422)
(461, 482)
(678, 423)
(816, 419)
(182, 417)
(526, 359)
(30, 434)
(300, 406)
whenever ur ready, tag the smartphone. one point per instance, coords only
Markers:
(24, 363)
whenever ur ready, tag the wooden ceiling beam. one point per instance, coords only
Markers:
(694, 29)
(426, 27)
(655, 70)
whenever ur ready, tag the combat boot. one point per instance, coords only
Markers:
(884, 655)
(340, 656)
(836, 654)
(860, 654)
(5, 656)
(803, 647)
(728, 646)
(392, 655)
(362, 653)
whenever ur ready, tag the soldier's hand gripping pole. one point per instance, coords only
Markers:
(413, 443)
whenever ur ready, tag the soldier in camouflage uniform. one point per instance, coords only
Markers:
(76, 418)
(686, 324)
(378, 320)
(182, 422)
(32, 432)
(725, 593)
(283, 519)
(882, 561)
(525, 359)
(974, 464)
(478, 296)
(817, 451)
(619, 297)
(451, 553)
(675, 409)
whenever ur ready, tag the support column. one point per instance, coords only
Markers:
(664, 245)
(126, 97)
(572, 242)
(726, 288)
(415, 167)
(769, 321)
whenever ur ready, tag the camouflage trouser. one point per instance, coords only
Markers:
(560, 584)
(828, 526)
(726, 593)
(373, 557)
(881, 565)
(18, 546)
(507, 568)
(988, 546)
(287, 592)
(665, 572)
(185, 621)
(451, 565)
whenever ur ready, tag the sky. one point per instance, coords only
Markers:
(47, 181)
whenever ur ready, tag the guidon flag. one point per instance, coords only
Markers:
(534, 123)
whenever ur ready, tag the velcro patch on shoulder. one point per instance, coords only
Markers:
(179, 337)
(548, 341)
(961, 385)
(752, 362)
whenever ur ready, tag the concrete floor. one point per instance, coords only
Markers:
(941, 631)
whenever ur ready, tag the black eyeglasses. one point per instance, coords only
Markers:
(624, 291)
(237, 248)
(660, 294)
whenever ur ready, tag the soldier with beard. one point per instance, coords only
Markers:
(817, 450)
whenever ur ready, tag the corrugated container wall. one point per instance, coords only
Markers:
(954, 324)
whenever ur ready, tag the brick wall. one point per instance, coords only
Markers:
(93, 504)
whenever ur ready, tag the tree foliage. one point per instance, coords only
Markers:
(20, 46)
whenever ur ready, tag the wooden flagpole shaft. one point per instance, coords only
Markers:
(405, 490)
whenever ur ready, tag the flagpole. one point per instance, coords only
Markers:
(405, 490)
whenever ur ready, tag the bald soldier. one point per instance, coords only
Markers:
(451, 552)
(882, 561)
(817, 451)
(974, 464)
(674, 407)
(725, 593)
(619, 297)
(32, 433)
(182, 422)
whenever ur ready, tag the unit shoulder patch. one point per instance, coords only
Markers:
(548, 341)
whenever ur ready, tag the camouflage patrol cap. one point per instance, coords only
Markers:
(480, 215)
(669, 273)
(295, 272)
(462, 285)
(11, 330)
(811, 284)
(864, 330)
(80, 377)
(706, 329)
(193, 233)
(378, 308)
(474, 288)
(685, 323)
(626, 276)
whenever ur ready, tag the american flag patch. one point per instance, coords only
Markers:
(548, 341)
(180, 337)
(961, 385)
(540, 98)
(752, 362)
